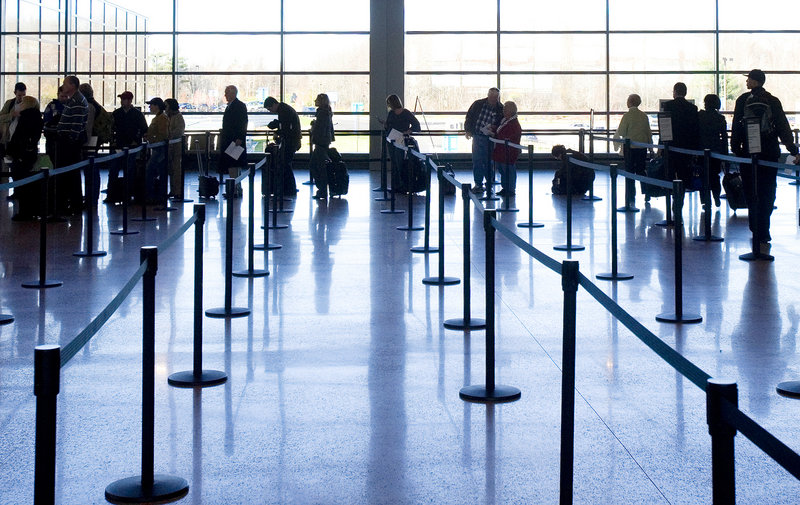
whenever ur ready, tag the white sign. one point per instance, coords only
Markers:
(665, 128)
(753, 137)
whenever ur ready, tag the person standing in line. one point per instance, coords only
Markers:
(23, 148)
(685, 133)
(505, 158)
(177, 127)
(321, 137)
(52, 113)
(761, 107)
(158, 131)
(234, 130)
(9, 114)
(403, 120)
(483, 118)
(71, 137)
(290, 135)
(93, 111)
(129, 128)
(635, 125)
(713, 136)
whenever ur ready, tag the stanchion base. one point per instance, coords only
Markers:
(308, 183)
(382, 199)
(465, 324)
(671, 317)
(270, 247)
(423, 249)
(614, 276)
(530, 225)
(142, 220)
(251, 273)
(591, 198)
(500, 394)
(6, 319)
(489, 198)
(221, 313)
(390, 211)
(510, 209)
(789, 388)
(165, 489)
(189, 379)
(90, 254)
(277, 227)
(182, 200)
(42, 285)
(627, 209)
(380, 189)
(410, 228)
(566, 247)
(706, 238)
(665, 223)
(165, 209)
(124, 232)
(441, 281)
(756, 257)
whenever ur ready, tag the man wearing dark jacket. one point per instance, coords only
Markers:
(685, 131)
(760, 188)
(290, 134)
(234, 130)
(483, 118)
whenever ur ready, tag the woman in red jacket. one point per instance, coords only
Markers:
(505, 157)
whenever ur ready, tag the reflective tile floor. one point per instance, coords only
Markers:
(344, 385)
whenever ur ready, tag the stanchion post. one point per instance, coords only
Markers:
(440, 279)
(755, 253)
(408, 160)
(506, 201)
(393, 189)
(383, 186)
(707, 236)
(266, 246)
(666, 154)
(569, 246)
(426, 244)
(91, 202)
(530, 223)
(126, 195)
(490, 392)
(723, 462)
(46, 384)
(467, 322)
(569, 284)
(148, 156)
(148, 487)
(251, 225)
(630, 185)
(43, 283)
(614, 275)
(197, 376)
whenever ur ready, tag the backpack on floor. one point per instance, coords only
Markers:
(413, 178)
(655, 169)
(208, 186)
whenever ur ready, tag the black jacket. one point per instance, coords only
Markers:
(25, 141)
(288, 126)
(475, 111)
(770, 150)
(713, 131)
(685, 131)
(234, 127)
(129, 127)
(322, 129)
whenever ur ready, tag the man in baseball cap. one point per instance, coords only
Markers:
(129, 127)
(756, 75)
(126, 95)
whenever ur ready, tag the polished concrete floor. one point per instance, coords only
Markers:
(344, 385)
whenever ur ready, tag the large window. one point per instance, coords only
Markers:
(192, 49)
(571, 64)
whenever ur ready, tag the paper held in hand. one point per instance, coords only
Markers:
(234, 151)
(394, 136)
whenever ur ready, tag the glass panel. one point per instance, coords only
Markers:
(449, 15)
(444, 92)
(743, 15)
(553, 52)
(451, 53)
(157, 86)
(743, 51)
(327, 53)
(96, 53)
(555, 92)
(51, 53)
(28, 17)
(317, 15)
(348, 93)
(213, 52)
(205, 93)
(10, 57)
(51, 20)
(232, 16)
(663, 51)
(28, 54)
(562, 15)
(8, 22)
(654, 87)
(663, 14)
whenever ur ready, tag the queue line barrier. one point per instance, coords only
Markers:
(50, 359)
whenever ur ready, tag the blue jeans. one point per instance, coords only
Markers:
(480, 159)
(508, 175)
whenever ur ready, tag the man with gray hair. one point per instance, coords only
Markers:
(234, 131)
(483, 118)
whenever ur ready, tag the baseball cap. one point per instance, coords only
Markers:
(757, 75)
(127, 95)
(157, 101)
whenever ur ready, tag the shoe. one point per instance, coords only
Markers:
(478, 189)
(321, 195)
(716, 201)
(764, 247)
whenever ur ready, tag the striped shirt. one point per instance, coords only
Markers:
(74, 117)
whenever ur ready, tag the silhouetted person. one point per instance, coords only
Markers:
(685, 132)
(713, 136)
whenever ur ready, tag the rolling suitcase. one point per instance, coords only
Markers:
(734, 190)
(338, 178)
(208, 186)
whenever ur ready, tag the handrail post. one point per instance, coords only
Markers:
(408, 161)
(228, 310)
(266, 246)
(630, 184)
(393, 189)
(43, 283)
(755, 218)
(91, 202)
(197, 376)
(251, 225)
(275, 194)
(678, 316)
(148, 155)
(568, 246)
(426, 243)
(614, 275)
(569, 284)
(46, 384)
(723, 462)
(162, 190)
(148, 487)
(440, 279)
(490, 392)
(668, 221)
(707, 236)
(126, 195)
(383, 186)
(530, 223)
